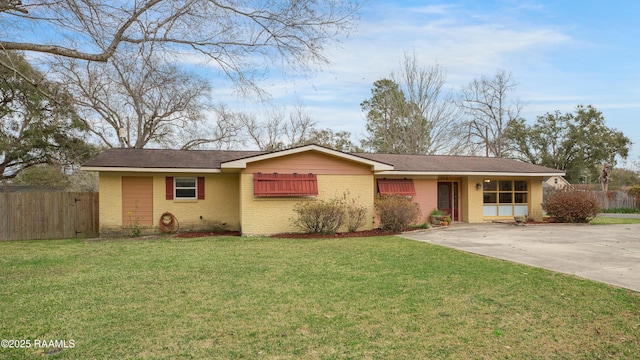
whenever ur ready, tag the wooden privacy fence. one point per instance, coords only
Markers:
(48, 215)
(615, 199)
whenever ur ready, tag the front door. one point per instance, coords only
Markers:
(448, 198)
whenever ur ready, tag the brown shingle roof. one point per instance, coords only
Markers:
(449, 164)
(160, 158)
(211, 159)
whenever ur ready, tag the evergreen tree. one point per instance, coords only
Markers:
(38, 124)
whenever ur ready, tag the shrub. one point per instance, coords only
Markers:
(396, 212)
(134, 225)
(572, 206)
(437, 212)
(424, 225)
(635, 192)
(355, 214)
(320, 216)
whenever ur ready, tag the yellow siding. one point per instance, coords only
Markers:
(473, 206)
(218, 209)
(273, 215)
(535, 203)
(110, 200)
(463, 199)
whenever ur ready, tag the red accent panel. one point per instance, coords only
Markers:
(169, 187)
(285, 184)
(396, 187)
(200, 188)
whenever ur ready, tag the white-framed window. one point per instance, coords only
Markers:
(505, 197)
(185, 188)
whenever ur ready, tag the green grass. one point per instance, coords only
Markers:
(246, 298)
(621, 210)
(610, 221)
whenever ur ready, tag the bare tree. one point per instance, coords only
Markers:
(242, 37)
(412, 112)
(299, 127)
(138, 100)
(489, 111)
(222, 132)
(279, 130)
(267, 134)
(436, 129)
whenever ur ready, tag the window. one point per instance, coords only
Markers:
(284, 185)
(403, 187)
(184, 188)
(505, 197)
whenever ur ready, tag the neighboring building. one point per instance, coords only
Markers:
(255, 192)
(556, 183)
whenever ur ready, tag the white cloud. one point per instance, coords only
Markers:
(468, 44)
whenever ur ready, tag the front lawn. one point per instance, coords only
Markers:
(267, 298)
(600, 220)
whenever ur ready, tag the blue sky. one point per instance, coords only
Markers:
(561, 53)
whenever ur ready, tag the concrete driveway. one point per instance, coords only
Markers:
(605, 253)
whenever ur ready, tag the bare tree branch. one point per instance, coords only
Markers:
(76, 54)
(299, 127)
(242, 37)
(152, 102)
(224, 134)
(489, 111)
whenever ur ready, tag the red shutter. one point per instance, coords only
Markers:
(169, 187)
(200, 188)
(403, 187)
(285, 184)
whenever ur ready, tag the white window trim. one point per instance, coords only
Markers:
(175, 188)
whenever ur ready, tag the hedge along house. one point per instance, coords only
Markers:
(255, 192)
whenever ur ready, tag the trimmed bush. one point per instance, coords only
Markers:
(320, 216)
(355, 214)
(572, 206)
(396, 212)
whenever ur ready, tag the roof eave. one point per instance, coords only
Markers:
(151, 170)
(468, 173)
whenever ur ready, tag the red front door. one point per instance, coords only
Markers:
(448, 198)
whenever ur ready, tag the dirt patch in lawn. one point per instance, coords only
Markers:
(364, 233)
